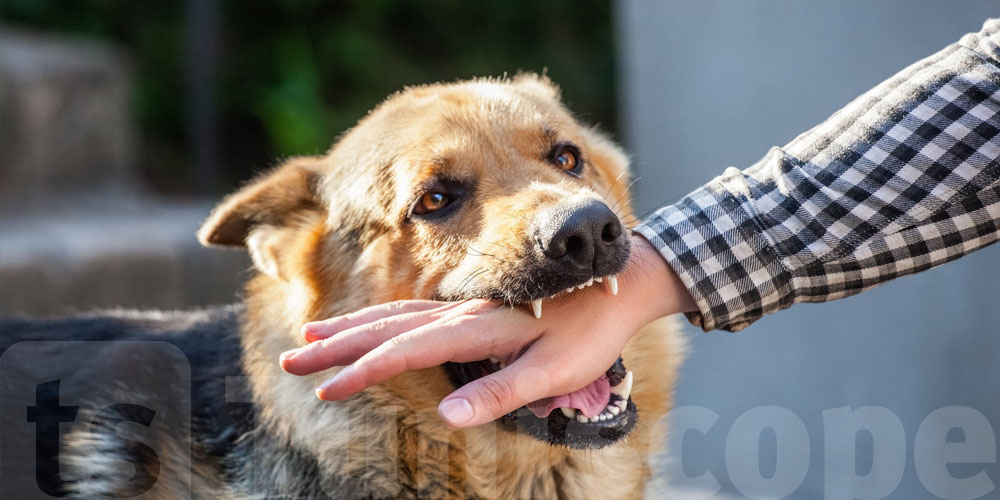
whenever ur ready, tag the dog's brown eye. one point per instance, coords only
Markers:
(567, 160)
(431, 202)
(566, 157)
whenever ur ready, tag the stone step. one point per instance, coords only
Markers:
(125, 250)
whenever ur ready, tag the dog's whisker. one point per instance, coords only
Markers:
(516, 216)
(613, 184)
(468, 279)
(478, 252)
(625, 192)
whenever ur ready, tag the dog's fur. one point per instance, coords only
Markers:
(329, 235)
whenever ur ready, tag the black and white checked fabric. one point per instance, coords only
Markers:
(904, 178)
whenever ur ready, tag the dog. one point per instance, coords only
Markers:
(445, 191)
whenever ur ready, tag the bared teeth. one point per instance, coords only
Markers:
(569, 412)
(536, 305)
(624, 388)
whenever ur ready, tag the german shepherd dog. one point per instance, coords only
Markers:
(444, 192)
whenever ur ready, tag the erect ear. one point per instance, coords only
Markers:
(255, 215)
(540, 85)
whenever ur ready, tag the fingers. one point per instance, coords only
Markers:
(351, 344)
(424, 347)
(497, 394)
(411, 351)
(317, 330)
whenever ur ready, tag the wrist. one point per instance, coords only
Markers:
(657, 291)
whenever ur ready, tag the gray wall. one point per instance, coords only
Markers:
(710, 83)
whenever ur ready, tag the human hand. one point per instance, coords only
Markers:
(578, 336)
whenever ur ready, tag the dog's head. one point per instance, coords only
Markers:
(480, 189)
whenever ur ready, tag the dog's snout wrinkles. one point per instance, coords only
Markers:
(585, 236)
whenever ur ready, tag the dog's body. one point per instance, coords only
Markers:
(330, 235)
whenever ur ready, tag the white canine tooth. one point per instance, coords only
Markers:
(590, 282)
(614, 409)
(582, 419)
(598, 279)
(621, 404)
(624, 388)
(613, 284)
(569, 412)
(536, 307)
(494, 360)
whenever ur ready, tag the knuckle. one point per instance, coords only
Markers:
(325, 344)
(378, 325)
(496, 394)
(396, 306)
(393, 344)
(482, 306)
(363, 369)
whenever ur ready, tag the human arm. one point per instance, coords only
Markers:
(902, 179)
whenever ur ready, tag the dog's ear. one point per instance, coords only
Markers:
(254, 215)
(539, 85)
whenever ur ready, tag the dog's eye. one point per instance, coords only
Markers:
(566, 157)
(431, 201)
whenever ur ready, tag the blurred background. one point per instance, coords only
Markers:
(121, 123)
(124, 121)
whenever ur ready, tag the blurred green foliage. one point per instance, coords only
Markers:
(294, 74)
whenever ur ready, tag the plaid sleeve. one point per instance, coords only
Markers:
(902, 179)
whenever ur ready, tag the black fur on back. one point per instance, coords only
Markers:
(238, 449)
(208, 338)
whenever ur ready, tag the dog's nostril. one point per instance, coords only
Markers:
(611, 231)
(573, 245)
(581, 236)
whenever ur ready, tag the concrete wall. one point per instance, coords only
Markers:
(710, 83)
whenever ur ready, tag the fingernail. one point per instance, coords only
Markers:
(286, 357)
(321, 390)
(312, 326)
(456, 411)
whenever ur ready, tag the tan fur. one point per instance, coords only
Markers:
(329, 235)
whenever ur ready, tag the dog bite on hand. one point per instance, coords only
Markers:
(485, 189)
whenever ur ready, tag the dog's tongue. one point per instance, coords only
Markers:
(590, 400)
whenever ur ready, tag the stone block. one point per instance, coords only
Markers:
(65, 116)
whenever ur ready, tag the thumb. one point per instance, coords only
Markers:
(495, 395)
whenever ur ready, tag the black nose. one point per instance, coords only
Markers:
(588, 236)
